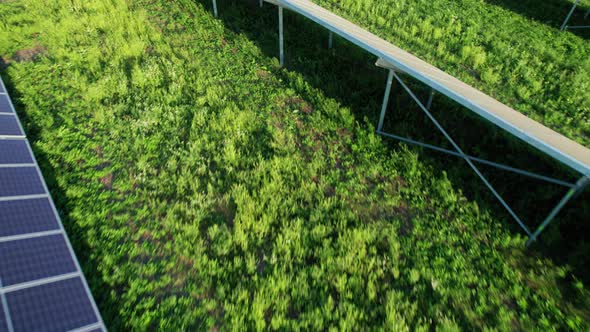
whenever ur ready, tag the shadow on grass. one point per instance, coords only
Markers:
(549, 12)
(347, 74)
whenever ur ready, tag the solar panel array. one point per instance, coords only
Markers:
(42, 287)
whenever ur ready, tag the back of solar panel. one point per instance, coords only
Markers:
(42, 287)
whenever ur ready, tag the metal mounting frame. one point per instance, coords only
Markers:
(573, 191)
(564, 25)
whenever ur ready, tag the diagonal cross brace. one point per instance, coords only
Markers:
(571, 193)
(574, 189)
(458, 150)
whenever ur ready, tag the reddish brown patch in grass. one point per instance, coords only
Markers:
(263, 74)
(99, 151)
(107, 181)
(301, 104)
(30, 54)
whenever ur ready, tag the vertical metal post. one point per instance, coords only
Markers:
(261, 3)
(564, 25)
(330, 40)
(281, 46)
(573, 192)
(215, 8)
(430, 97)
(385, 100)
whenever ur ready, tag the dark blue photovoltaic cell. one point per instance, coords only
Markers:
(5, 104)
(26, 216)
(3, 326)
(58, 306)
(16, 181)
(9, 126)
(14, 151)
(34, 258)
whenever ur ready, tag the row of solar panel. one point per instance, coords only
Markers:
(41, 285)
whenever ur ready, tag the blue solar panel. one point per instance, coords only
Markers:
(3, 325)
(14, 151)
(5, 105)
(9, 126)
(58, 306)
(34, 258)
(26, 216)
(16, 181)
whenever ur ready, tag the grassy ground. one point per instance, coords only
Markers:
(512, 50)
(205, 188)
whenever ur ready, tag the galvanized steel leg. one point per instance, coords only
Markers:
(330, 40)
(569, 15)
(430, 97)
(261, 3)
(385, 100)
(573, 192)
(215, 8)
(281, 46)
(463, 155)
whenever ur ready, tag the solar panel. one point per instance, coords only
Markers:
(9, 126)
(26, 216)
(57, 306)
(35, 258)
(14, 151)
(41, 285)
(5, 106)
(18, 181)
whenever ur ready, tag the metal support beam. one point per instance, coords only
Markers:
(330, 40)
(569, 15)
(564, 25)
(463, 155)
(385, 100)
(281, 46)
(572, 193)
(430, 97)
(481, 161)
(215, 8)
(261, 3)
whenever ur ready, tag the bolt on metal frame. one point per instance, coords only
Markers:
(564, 25)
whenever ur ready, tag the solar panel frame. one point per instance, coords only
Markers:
(14, 151)
(20, 181)
(10, 126)
(58, 306)
(3, 320)
(27, 216)
(5, 105)
(34, 258)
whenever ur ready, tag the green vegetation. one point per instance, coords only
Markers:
(205, 188)
(527, 64)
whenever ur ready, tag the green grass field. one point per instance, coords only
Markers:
(205, 188)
